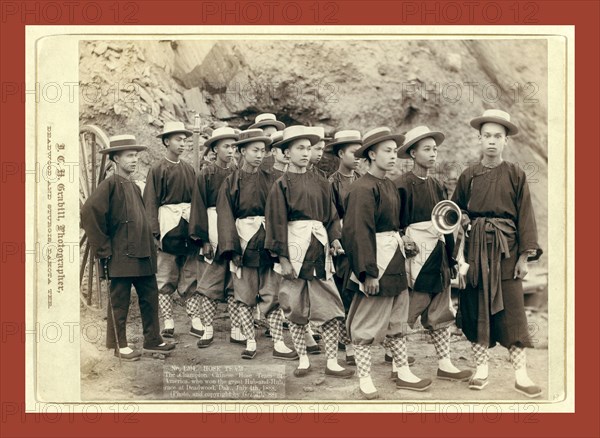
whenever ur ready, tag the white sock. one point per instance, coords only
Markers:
(197, 324)
(481, 372)
(349, 350)
(366, 384)
(388, 352)
(208, 332)
(394, 367)
(309, 330)
(251, 345)
(445, 364)
(125, 350)
(522, 377)
(236, 333)
(333, 365)
(304, 362)
(169, 324)
(280, 347)
(404, 373)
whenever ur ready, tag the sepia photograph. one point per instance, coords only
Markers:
(351, 219)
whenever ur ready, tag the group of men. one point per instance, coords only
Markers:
(355, 256)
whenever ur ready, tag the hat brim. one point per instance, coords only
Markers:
(266, 140)
(208, 143)
(187, 133)
(132, 147)
(362, 152)
(511, 127)
(334, 147)
(284, 144)
(437, 136)
(279, 125)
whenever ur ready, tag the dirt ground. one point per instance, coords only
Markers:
(104, 379)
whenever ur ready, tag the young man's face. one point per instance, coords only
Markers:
(280, 157)
(175, 143)
(224, 149)
(425, 152)
(492, 139)
(299, 152)
(383, 155)
(126, 161)
(269, 130)
(316, 152)
(253, 153)
(347, 157)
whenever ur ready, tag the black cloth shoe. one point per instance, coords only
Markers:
(196, 332)
(350, 360)
(129, 357)
(344, 373)
(369, 395)
(421, 385)
(292, 355)
(313, 349)
(248, 354)
(341, 346)
(203, 343)
(478, 384)
(237, 341)
(301, 372)
(164, 349)
(167, 333)
(529, 391)
(461, 376)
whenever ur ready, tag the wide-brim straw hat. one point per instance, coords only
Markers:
(495, 116)
(252, 135)
(375, 136)
(126, 142)
(415, 135)
(174, 128)
(296, 132)
(341, 139)
(267, 119)
(220, 134)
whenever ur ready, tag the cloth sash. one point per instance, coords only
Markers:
(299, 237)
(213, 233)
(387, 243)
(497, 232)
(169, 216)
(247, 228)
(426, 238)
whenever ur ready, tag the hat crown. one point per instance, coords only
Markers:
(294, 131)
(174, 127)
(277, 136)
(419, 131)
(224, 131)
(317, 130)
(376, 133)
(497, 113)
(264, 116)
(348, 134)
(122, 140)
(250, 133)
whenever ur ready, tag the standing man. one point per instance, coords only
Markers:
(215, 283)
(316, 151)
(116, 226)
(167, 197)
(376, 252)
(495, 199)
(269, 125)
(301, 221)
(429, 272)
(241, 210)
(343, 146)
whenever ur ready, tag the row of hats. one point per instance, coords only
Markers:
(282, 139)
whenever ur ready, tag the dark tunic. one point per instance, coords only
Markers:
(373, 206)
(501, 192)
(294, 197)
(242, 195)
(417, 198)
(340, 184)
(314, 169)
(267, 163)
(116, 226)
(204, 196)
(169, 183)
(275, 174)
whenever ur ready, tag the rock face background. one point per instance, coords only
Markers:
(135, 86)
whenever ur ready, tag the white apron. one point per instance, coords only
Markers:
(169, 216)
(247, 229)
(213, 232)
(426, 238)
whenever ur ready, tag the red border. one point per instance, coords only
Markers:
(13, 422)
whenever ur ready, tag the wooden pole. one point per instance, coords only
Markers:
(196, 131)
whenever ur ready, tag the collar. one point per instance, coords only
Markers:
(173, 162)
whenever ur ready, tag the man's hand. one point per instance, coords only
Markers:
(287, 270)
(371, 285)
(410, 247)
(336, 248)
(521, 268)
(207, 250)
(237, 260)
(454, 272)
(466, 220)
